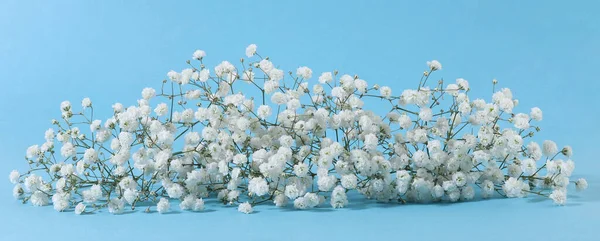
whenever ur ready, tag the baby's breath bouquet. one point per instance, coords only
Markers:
(291, 139)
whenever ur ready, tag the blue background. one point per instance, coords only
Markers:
(547, 52)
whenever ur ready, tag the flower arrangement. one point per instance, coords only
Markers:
(291, 140)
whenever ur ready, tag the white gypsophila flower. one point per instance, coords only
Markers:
(93, 194)
(65, 106)
(14, 176)
(80, 208)
(467, 193)
(349, 181)
(276, 75)
(265, 65)
(536, 114)
(280, 200)
(49, 135)
(199, 54)
(148, 93)
(559, 196)
(175, 190)
(304, 72)
(291, 191)
(245, 208)
(116, 206)
(581, 184)
(161, 109)
(300, 203)
(188, 202)
(96, 124)
(33, 182)
(258, 186)
(279, 98)
(361, 85)
(204, 75)
(338, 197)
(301, 169)
(90, 156)
(425, 114)
(549, 148)
(198, 205)
(33, 152)
(567, 151)
(528, 166)
(521, 121)
(462, 83)
(459, 178)
(18, 191)
(130, 195)
(514, 187)
(86, 103)
(312, 199)
(67, 150)
(326, 77)
(251, 50)
(39, 198)
(534, 151)
(434, 65)
(163, 205)
(386, 92)
(60, 201)
(487, 188)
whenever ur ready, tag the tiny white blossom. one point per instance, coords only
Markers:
(304, 72)
(434, 65)
(559, 196)
(251, 50)
(325, 77)
(14, 176)
(86, 102)
(536, 114)
(148, 93)
(581, 184)
(80, 208)
(199, 54)
(163, 205)
(245, 208)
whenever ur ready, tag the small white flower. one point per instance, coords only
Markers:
(39, 198)
(116, 206)
(304, 72)
(245, 208)
(581, 184)
(199, 54)
(80, 208)
(386, 92)
(434, 65)
(325, 77)
(18, 191)
(567, 151)
(67, 150)
(163, 205)
(425, 114)
(86, 102)
(559, 196)
(549, 148)
(14, 176)
(536, 114)
(148, 93)
(251, 50)
(198, 205)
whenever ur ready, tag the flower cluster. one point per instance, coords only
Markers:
(291, 139)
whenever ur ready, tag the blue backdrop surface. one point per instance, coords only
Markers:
(546, 52)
